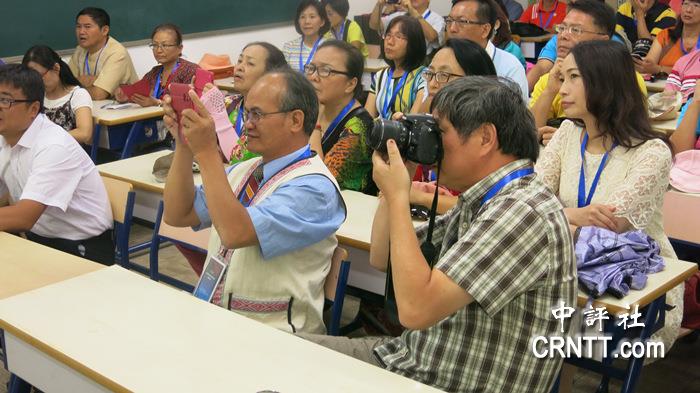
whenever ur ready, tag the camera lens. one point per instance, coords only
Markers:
(383, 130)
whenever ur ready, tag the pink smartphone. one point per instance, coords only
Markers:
(179, 92)
(201, 78)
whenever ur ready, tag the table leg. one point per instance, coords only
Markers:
(634, 367)
(18, 385)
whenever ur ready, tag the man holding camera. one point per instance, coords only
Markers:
(504, 254)
(432, 24)
(274, 216)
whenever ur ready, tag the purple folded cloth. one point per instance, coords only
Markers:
(615, 262)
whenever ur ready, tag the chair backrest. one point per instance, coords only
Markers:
(339, 255)
(198, 239)
(118, 192)
(681, 211)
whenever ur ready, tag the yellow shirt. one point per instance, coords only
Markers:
(556, 110)
(112, 66)
(353, 34)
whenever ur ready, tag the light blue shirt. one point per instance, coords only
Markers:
(515, 50)
(508, 66)
(684, 109)
(297, 214)
(549, 51)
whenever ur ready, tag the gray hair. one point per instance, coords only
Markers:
(299, 94)
(472, 101)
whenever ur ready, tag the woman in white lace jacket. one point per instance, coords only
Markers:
(630, 161)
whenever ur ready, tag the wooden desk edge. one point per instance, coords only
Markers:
(63, 358)
(346, 241)
(137, 184)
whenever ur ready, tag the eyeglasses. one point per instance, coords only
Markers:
(6, 103)
(440, 76)
(574, 30)
(323, 71)
(461, 22)
(397, 36)
(691, 4)
(254, 115)
(155, 46)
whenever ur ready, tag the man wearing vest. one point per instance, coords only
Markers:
(274, 216)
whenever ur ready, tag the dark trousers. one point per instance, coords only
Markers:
(99, 248)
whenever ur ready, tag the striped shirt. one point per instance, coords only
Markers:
(291, 51)
(514, 256)
(684, 74)
(383, 88)
(658, 17)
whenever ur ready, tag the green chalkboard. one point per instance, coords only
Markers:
(51, 22)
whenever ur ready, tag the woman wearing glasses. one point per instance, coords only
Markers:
(66, 103)
(399, 88)
(311, 23)
(343, 124)
(166, 43)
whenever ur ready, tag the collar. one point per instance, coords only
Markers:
(473, 196)
(491, 49)
(32, 133)
(278, 164)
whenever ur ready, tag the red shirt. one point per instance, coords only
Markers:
(546, 19)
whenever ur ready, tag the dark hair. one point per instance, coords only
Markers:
(472, 58)
(275, 57)
(169, 27)
(612, 92)
(675, 33)
(342, 7)
(26, 79)
(303, 5)
(603, 15)
(100, 16)
(299, 94)
(415, 42)
(354, 61)
(485, 12)
(472, 101)
(502, 35)
(47, 58)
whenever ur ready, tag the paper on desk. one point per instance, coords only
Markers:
(127, 105)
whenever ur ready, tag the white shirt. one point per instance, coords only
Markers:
(508, 66)
(48, 166)
(79, 98)
(433, 19)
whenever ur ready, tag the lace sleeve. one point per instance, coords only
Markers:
(548, 166)
(641, 194)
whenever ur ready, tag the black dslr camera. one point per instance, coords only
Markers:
(417, 137)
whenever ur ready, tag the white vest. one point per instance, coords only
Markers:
(286, 291)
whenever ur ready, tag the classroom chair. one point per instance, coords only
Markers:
(184, 237)
(121, 199)
(680, 212)
(334, 288)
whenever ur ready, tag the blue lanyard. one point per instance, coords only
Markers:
(304, 155)
(582, 200)
(551, 15)
(342, 31)
(157, 90)
(685, 52)
(337, 119)
(239, 120)
(393, 92)
(515, 175)
(86, 66)
(303, 63)
(427, 14)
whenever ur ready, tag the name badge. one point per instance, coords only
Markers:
(211, 277)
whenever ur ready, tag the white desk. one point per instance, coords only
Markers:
(225, 84)
(667, 126)
(371, 66)
(137, 335)
(134, 115)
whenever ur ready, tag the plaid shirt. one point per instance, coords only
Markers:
(514, 256)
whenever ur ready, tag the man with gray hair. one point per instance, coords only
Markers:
(274, 216)
(503, 254)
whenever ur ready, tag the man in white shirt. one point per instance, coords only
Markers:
(56, 194)
(475, 20)
(432, 23)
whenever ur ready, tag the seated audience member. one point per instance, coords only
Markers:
(399, 88)
(342, 28)
(431, 23)
(312, 23)
(166, 44)
(512, 8)
(58, 197)
(502, 38)
(545, 13)
(99, 62)
(587, 20)
(642, 20)
(275, 216)
(687, 134)
(684, 75)
(476, 20)
(65, 102)
(502, 259)
(625, 163)
(340, 136)
(673, 43)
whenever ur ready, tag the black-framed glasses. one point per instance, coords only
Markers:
(440, 76)
(155, 46)
(254, 115)
(6, 103)
(323, 71)
(462, 22)
(574, 30)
